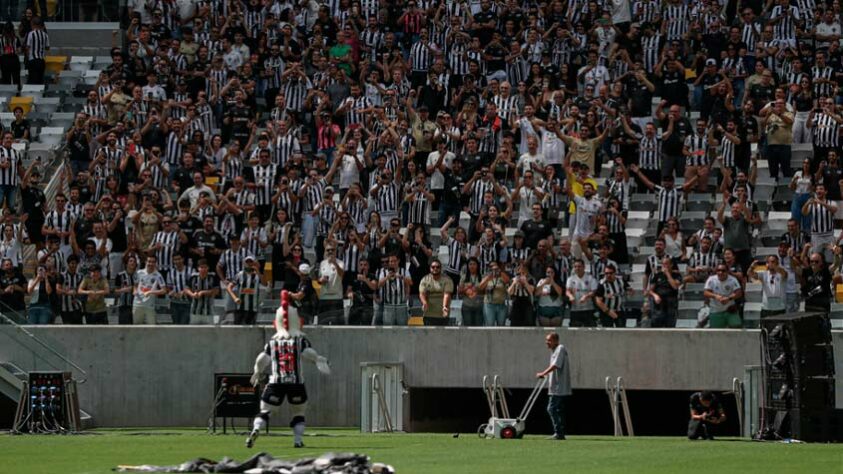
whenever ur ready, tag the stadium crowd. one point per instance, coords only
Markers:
(332, 149)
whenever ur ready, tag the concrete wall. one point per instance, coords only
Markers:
(162, 376)
(82, 39)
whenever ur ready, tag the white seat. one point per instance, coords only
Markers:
(42, 152)
(91, 76)
(636, 233)
(62, 119)
(102, 61)
(8, 90)
(47, 105)
(51, 135)
(80, 63)
(33, 90)
(19, 147)
(638, 215)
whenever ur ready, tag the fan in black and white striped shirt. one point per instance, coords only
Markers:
(822, 213)
(165, 244)
(204, 286)
(11, 172)
(37, 43)
(245, 289)
(609, 298)
(231, 261)
(669, 197)
(703, 262)
(728, 142)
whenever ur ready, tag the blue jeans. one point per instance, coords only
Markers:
(40, 314)
(472, 315)
(494, 314)
(799, 200)
(7, 195)
(180, 312)
(308, 229)
(556, 411)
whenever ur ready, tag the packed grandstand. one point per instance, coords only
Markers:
(582, 163)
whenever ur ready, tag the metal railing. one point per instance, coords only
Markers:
(39, 347)
(619, 406)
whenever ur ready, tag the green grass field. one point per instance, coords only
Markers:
(100, 450)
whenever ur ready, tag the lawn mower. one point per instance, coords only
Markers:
(503, 426)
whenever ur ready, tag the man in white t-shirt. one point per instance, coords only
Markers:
(722, 291)
(588, 208)
(438, 164)
(330, 277)
(149, 284)
(350, 166)
(527, 194)
(580, 289)
(529, 126)
(553, 148)
(532, 160)
(774, 282)
(828, 30)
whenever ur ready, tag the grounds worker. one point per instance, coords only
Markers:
(559, 384)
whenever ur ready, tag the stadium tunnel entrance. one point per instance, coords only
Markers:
(653, 412)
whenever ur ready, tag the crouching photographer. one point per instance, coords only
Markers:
(706, 414)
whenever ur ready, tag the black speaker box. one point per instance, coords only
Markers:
(801, 329)
(817, 425)
(805, 393)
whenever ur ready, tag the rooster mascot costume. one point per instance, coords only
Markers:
(283, 355)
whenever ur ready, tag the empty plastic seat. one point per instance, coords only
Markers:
(688, 309)
(694, 291)
(47, 105)
(80, 63)
(51, 135)
(7, 91)
(24, 103)
(32, 90)
(102, 62)
(62, 119)
(90, 76)
(42, 152)
(69, 79)
(55, 64)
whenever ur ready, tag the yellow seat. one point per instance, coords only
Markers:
(267, 272)
(55, 64)
(415, 321)
(213, 182)
(838, 293)
(24, 103)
